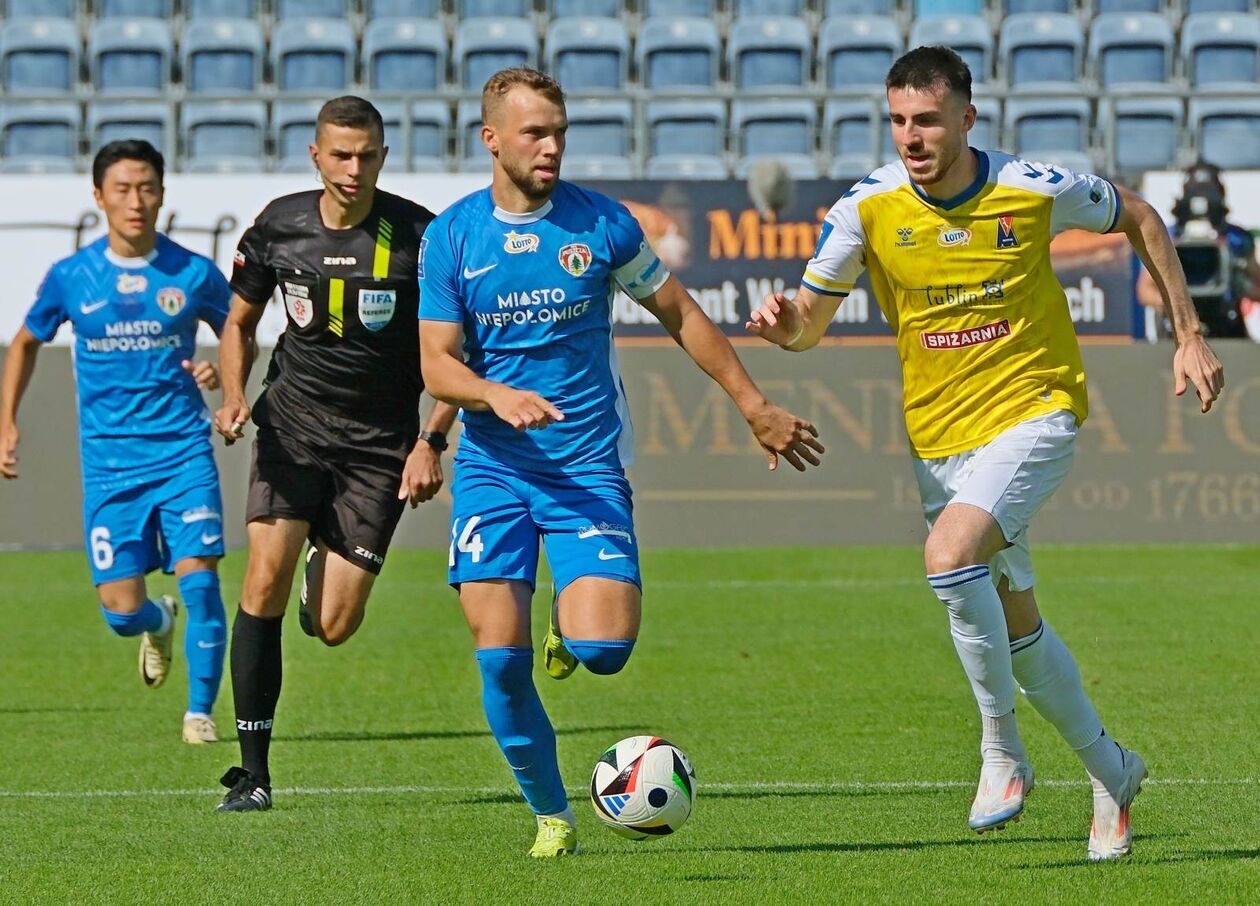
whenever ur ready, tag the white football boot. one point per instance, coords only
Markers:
(155, 647)
(1000, 795)
(1110, 836)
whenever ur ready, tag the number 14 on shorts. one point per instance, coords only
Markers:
(467, 543)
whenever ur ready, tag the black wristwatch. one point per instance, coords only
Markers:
(435, 439)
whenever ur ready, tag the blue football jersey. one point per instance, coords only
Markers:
(135, 321)
(534, 295)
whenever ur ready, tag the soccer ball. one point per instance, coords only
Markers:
(643, 787)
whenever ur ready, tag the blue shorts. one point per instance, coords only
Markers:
(499, 515)
(154, 524)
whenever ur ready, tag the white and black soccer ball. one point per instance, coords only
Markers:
(643, 787)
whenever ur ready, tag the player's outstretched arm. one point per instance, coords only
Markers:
(1194, 360)
(19, 365)
(779, 432)
(447, 378)
(237, 349)
(794, 324)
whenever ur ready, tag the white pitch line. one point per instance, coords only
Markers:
(787, 786)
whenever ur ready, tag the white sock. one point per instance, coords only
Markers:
(566, 815)
(189, 715)
(1103, 762)
(978, 626)
(1050, 679)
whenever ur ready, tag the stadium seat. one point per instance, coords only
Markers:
(1143, 133)
(969, 36)
(39, 137)
(405, 55)
(293, 130)
(856, 51)
(429, 131)
(220, 9)
(704, 9)
(686, 138)
(312, 55)
(859, 8)
(1102, 7)
(948, 8)
(1227, 131)
(222, 56)
(680, 54)
(1218, 6)
(1038, 6)
(130, 56)
(769, 54)
(484, 46)
(598, 142)
(1042, 51)
(223, 136)
(109, 121)
(780, 129)
(599, 8)
(403, 9)
(589, 54)
(40, 9)
(1041, 128)
(470, 151)
(1221, 50)
(986, 133)
(768, 7)
(1128, 49)
(394, 129)
(130, 9)
(474, 9)
(310, 9)
(39, 56)
(852, 137)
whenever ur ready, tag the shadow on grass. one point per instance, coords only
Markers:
(403, 735)
(1188, 858)
(70, 709)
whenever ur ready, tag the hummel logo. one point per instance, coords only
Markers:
(210, 539)
(604, 555)
(468, 275)
(88, 307)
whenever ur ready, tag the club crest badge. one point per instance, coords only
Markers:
(171, 300)
(1006, 238)
(518, 243)
(575, 258)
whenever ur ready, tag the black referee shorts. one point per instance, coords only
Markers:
(339, 475)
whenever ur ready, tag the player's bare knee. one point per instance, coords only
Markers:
(264, 595)
(941, 554)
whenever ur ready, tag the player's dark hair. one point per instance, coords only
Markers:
(503, 81)
(352, 112)
(926, 68)
(126, 149)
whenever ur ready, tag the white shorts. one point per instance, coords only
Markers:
(1011, 477)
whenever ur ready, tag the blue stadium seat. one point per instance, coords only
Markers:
(293, 131)
(222, 56)
(130, 9)
(665, 8)
(223, 136)
(220, 9)
(986, 133)
(779, 129)
(403, 9)
(1218, 6)
(474, 9)
(599, 8)
(429, 132)
(39, 137)
(484, 46)
(852, 136)
(1038, 6)
(1143, 132)
(969, 36)
(40, 9)
(130, 56)
(769, 54)
(859, 8)
(1127, 6)
(406, 55)
(1227, 131)
(109, 121)
(394, 129)
(310, 9)
(1131, 49)
(1042, 128)
(312, 55)
(856, 51)
(769, 7)
(598, 142)
(948, 8)
(1221, 50)
(470, 151)
(686, 138)
(681, 54)
(1042, 51)
(589, 54)
(39, 56)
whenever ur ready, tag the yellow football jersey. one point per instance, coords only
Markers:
(983, 329)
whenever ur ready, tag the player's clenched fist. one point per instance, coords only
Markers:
(781, 433)
(776, 320)
(523, 409)
(204, 373)
(231, 419)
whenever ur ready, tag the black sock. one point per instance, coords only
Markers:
(256, 672)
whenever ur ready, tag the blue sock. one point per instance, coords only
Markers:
(148, 618)
(521, 727)
(602, 656)
(204, 638)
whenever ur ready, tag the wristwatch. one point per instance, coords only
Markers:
(435, 439)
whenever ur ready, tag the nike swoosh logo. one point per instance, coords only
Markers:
(468, 275)
(88, 307)
(201, 644)
(591, 533)
(210, 539)
(604, 555)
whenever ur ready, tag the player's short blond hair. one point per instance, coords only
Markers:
(503, 81)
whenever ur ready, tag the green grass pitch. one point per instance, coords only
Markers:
(816, 690)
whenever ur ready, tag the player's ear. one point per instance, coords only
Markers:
(969, 117)
(490, 138)
(98, 197)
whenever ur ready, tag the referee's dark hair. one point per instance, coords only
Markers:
(127, 149)
(925, 68)
(350, 111)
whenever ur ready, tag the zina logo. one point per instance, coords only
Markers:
(253, 724)
(340, 260)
